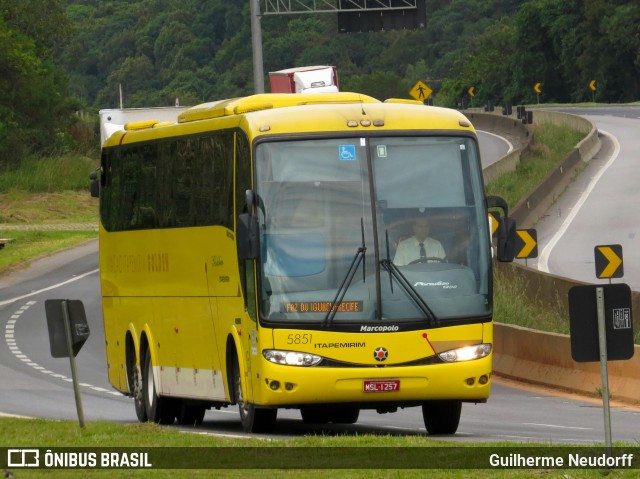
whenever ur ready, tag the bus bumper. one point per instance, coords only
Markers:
(294, 386)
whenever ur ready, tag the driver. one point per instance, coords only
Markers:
(419, 247)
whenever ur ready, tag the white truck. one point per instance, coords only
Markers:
(313, 79)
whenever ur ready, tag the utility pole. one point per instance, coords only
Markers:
(256, 44)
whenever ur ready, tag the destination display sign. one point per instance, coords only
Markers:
(322, 307)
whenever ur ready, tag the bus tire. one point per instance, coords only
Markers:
(254, 419)
(189, 415)
(159, 409)
(138, 396)
(345, 416)
(441, 417)
(315, 415)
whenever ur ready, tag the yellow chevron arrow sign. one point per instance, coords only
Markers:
(609, 261)
(494, 222)
(526, 244)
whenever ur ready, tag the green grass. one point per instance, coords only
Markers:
(327, 451)
(551, 146)
(511, 305)
(36, 174)
(45, 191)
(26, 245)
(20, 207)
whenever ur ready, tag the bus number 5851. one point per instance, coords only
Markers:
(299, 339)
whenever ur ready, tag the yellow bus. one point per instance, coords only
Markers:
(255, 252)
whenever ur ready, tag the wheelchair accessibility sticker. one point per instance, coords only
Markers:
(347, 152)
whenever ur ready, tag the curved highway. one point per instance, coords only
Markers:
(600, 208)
(35, 384)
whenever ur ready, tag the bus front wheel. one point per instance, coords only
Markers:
(159, 409)
(254, 419)
(441, 417)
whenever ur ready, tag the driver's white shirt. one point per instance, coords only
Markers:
(409, 250)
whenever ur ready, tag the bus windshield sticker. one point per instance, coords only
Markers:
(382, 151)
(347, 152)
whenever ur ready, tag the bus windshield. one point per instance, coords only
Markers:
(405, 212)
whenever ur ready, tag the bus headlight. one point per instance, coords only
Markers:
(291, 358)
(467, 353)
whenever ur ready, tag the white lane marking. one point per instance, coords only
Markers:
(557, 426)
(543, 260)
(501, 138)
(49, 288)
(9, 334)
(553, 441)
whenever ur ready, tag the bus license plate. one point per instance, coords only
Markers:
(381, 386)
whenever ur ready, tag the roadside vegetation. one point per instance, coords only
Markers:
(551, 145)
(53, 435)
(45, 206)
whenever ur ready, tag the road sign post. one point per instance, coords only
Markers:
(601, 329)
(604, 372)
(537, 89)
(68, 331)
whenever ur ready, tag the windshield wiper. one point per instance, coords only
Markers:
(413, 294)
(346, 282)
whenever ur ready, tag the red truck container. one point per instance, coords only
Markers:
(315, 79)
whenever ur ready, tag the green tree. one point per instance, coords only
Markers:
(611, 49)
(196, 50)
(135, 75)
(380, 85)
(487, 66)
(34, 107)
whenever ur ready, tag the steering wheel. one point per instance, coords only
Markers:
(428, 259)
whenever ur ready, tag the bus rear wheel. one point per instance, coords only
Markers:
(159, 409)
(441, 417)
(254, 419)
(138, 395)
(190, 415)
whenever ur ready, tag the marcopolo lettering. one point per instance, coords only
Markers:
(379, 329)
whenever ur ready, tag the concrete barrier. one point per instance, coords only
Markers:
(544, 358)
(539, 357)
